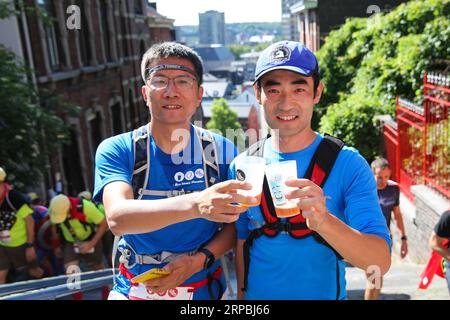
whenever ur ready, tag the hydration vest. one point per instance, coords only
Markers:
(141, 174)
(76, 212)
(318, 171)
(141, 171)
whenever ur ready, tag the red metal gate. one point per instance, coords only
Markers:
(418, 149)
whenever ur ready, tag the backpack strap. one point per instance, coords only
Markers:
(141, 170)
(318, 171)
(209, 156)
(323, 160)
(71, 230)
(76, 212)
(141, 173)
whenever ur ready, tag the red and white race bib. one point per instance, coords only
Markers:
(140, 292)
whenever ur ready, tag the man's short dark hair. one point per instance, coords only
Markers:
(172, 50)
(380, 163)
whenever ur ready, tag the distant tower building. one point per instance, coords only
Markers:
(288, 20)
(212, 27)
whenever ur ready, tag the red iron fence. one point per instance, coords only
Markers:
(418, 147)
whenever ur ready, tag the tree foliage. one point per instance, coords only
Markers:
(225, 122)
(238, 49)
(368, 62)
(31, 125)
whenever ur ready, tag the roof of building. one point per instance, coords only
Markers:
(156, 17)
(214, 53)
(247, 96)
(216, 89)
(208, 77)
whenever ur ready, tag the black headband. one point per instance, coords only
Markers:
(149, 71)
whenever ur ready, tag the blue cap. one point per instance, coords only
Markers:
(286, 55)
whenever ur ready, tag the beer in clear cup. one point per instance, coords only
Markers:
(277, 173)
(250, 169)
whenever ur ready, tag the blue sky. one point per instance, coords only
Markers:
(185, 12)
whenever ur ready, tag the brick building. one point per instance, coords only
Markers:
(314, 19)
(96, 67)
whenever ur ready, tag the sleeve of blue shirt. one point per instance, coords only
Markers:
(113, 162)
(362, 210)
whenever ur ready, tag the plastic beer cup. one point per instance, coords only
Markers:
(277, 173)
(250, 169)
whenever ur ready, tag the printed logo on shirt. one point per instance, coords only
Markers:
(199, 174)
(179, 176)
(240, 175)
(189, 175)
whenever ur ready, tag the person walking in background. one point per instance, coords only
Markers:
(82, 226)
(440, 243)
(108, 237)
(43, 230)
(389, 200)
(17, 236)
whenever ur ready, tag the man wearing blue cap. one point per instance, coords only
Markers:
(302, 257)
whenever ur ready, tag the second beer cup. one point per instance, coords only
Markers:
(277, 173)
(250, 169)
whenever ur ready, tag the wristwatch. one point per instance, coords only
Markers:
(209, 258)
(404, 238)
(29, 245)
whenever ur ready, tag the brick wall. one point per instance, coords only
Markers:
(420, 218)
(93, 87)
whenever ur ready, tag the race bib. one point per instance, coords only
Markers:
(140, 292)
(5, 236)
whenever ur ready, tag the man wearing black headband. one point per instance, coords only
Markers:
(169, 157)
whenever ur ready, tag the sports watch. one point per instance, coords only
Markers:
(209, 258)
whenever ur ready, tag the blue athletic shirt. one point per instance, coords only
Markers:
(115, 162)
(282, 267)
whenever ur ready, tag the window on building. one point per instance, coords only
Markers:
(117, 119)
(138, 7)
(123, 27)
(106, 32)
(72, 164)
(83, 37)
(142, 48)
(51, 34)
(96, 132)
(131, 108)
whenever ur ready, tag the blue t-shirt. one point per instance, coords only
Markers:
(282, 267)
(389, 198)
(115, 162)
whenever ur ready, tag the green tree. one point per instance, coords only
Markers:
(368, 62)
(225, 122)
(31, 123)
(238, 49)
(32, 128)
